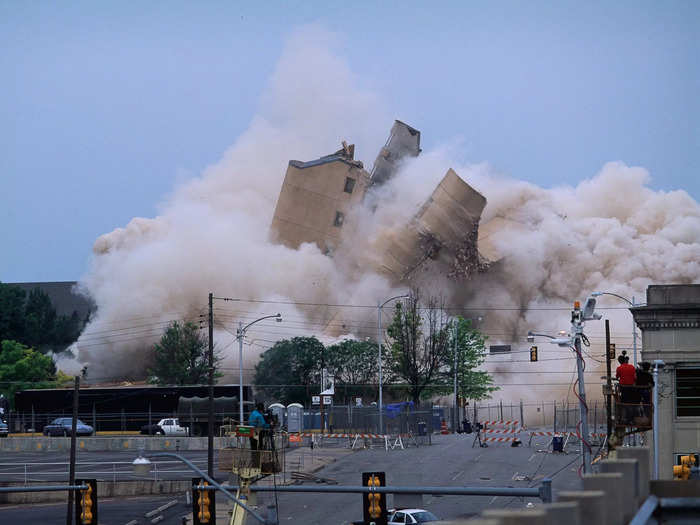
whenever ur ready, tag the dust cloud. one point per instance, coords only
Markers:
(610, 232)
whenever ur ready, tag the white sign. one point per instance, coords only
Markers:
(315, 400)
(327, 400)
(358, 401)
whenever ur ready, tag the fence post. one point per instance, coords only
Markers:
(544, 421)
(566, 418)
(500, 409)
(522, 414)
(555, 416)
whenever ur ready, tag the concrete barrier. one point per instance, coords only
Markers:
(629, 487)
(610, 484)
(643, 457)
(591, 505)
(568, 512)
(105, 489)
(517, 517)
(110, 444)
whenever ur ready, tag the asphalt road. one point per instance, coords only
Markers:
(450, 461)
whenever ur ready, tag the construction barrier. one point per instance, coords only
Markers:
(506, 427)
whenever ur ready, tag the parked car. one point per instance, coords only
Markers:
(4, 429)
(165, 427)
(411, 516)
(62, 426)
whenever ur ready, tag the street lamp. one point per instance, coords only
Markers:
(632, 303)
(379, 349)
(573, 340)
(241, 335)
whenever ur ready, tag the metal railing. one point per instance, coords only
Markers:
(109, 469)
(543, 492)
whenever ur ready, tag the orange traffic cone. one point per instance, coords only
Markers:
(443, 427)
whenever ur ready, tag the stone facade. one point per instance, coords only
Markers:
(670, 324)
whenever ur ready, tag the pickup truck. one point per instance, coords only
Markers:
(166, 427)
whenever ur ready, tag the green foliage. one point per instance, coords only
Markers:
(422, 352)
(33, 321)
(418, 345)
(11, 312)
(471, 350)
(181, 356)
(286, 371)
(354, 365)
(22, 368)
(39, 319)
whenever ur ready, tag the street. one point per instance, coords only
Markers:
(450, 461)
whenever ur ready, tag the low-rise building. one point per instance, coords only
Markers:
(670, 324)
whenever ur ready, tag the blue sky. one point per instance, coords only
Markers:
(105, 107)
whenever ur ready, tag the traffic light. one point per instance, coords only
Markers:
(374, 503)
(612, 352)
(203, 504)
(86, 502)
(684, 470)
(533, 353)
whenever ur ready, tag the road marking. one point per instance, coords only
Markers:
(532, 457)
(457, 475)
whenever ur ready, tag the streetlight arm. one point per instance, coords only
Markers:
(391, 299)
(212, 481)
(242, 330)
(598, 294)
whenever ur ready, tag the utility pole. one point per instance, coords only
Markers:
(380, 430)
(577, 329)
(210, 432)
(71, 473)
(240, 373)
(634, 336)
(455, 418)
(608, 383)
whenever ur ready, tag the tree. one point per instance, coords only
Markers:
(471, 353)
(39, 319)
(11, 312)
(22, 368)
(287, 370)
(354, 365)
(418, 345)
(181, 356)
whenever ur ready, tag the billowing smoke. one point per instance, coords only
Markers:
(610, 232)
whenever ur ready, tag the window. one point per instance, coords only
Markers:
(399, 517)
(339, 218)
(687, 392)
(349, 184)
(499, 349)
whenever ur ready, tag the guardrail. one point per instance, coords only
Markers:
(543, 492)
(43, 488)
(118, 469)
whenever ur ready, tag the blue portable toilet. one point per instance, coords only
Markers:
(437, 417)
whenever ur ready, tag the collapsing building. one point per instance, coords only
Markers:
(317, 199)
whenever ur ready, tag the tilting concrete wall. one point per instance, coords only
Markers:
(315, 199)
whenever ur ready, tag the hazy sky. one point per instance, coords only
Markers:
(105, 107)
